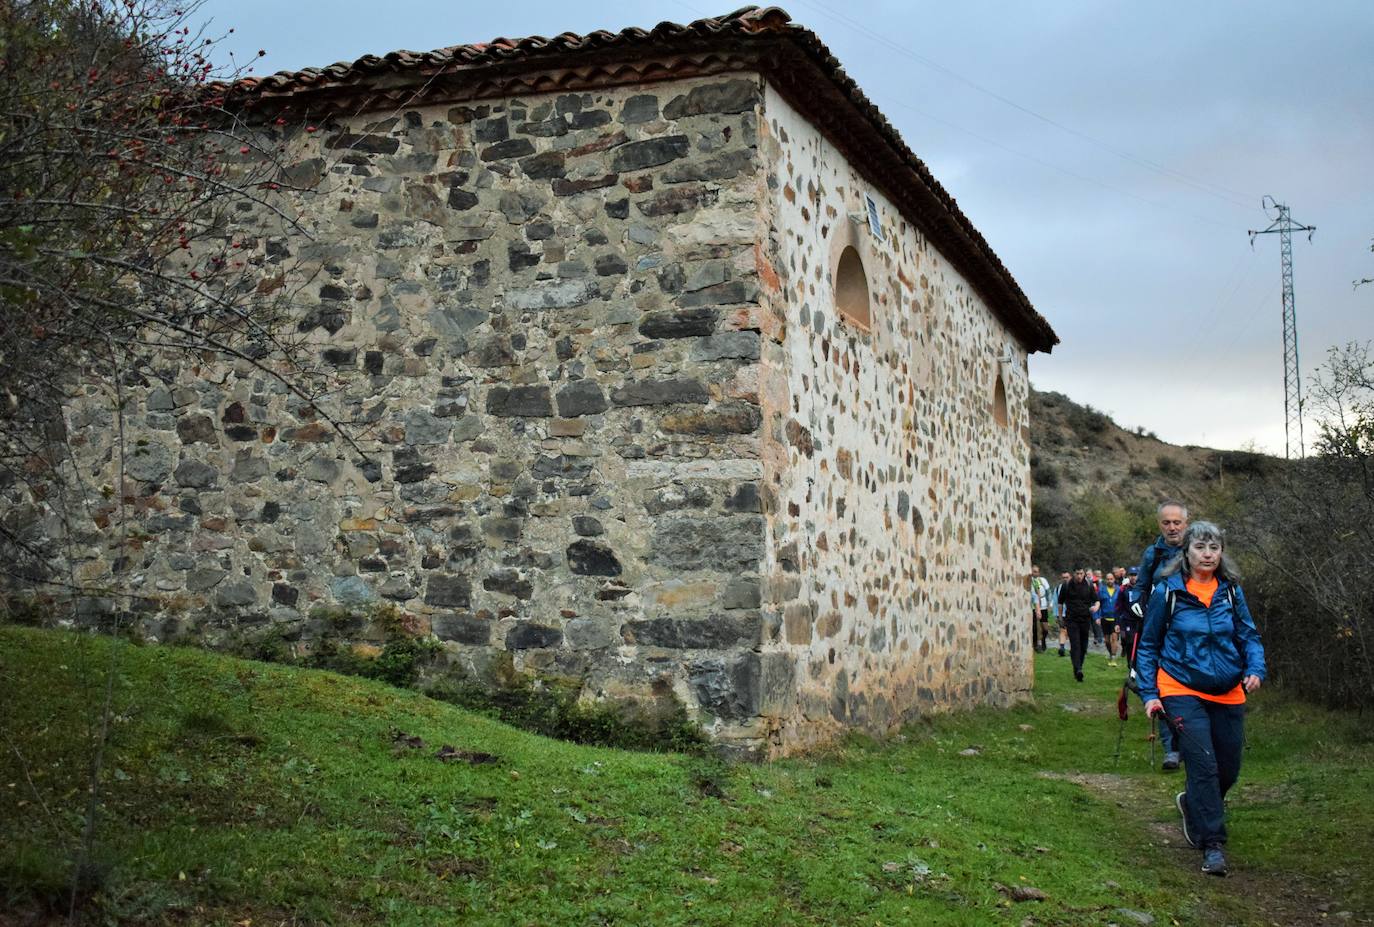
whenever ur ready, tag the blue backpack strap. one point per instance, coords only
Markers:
(1150, 572)
(1169, 600)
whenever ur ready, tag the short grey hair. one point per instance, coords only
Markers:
(1171, 504)
(1202, 531)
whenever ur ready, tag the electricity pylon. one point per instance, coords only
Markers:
(1292, 382)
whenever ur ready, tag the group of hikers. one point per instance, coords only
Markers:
(1106, 598)
(1192, 652)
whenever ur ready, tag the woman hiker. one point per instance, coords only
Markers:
(1199, 655)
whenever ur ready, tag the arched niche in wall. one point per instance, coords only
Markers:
(999, 399)
(851, 263)
(852, 298)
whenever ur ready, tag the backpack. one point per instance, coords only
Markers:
(1230, 598)
(1152, 572)
(1171, 597)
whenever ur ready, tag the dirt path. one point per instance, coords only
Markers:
(1289, 900)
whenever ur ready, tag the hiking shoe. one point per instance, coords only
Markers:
(1213, 861)
(1061, 651)
(1183, 818)
(1171, 760)
(1111, 663)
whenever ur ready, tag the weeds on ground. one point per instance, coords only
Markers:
(241, 790)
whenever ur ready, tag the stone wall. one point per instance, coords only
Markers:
(900, 537)
(540, 314)
(603, 423)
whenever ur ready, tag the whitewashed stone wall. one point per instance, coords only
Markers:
(900, 533)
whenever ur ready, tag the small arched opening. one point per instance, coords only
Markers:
(999, 401)
(851, 288)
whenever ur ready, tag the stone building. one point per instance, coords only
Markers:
(671, 370)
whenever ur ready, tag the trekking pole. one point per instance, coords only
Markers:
(1123, 712)
(1130, 654)
(1176, 725)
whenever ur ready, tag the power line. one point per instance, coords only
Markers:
(1208, 187)
(1055, 167)
(999, 145)
(1201, 331)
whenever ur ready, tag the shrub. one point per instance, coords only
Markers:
(1240, 463)
(269, 645)
(25, 609)
(1308, 530)
(1087, 423)
(1093, 526)
(1044, 473)
(402, 660)
(549, 708)
(554, 710)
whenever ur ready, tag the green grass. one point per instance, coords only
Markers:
(237, 790)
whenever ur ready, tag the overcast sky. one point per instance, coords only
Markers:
(1113, 154)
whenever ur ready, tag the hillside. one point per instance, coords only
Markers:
(237, 792)
(1096, 484)
(1076, 447)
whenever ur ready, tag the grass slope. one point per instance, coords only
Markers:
(238, 791)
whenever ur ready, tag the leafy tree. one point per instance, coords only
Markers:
(1093, 529)
(120, 168)
(1311, 529)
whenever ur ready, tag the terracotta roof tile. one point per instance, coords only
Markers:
(929, 207)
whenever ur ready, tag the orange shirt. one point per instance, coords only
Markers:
(1203, 589)
(1168, 685)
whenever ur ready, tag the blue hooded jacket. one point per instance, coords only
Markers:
(1151, 562)
(1207, 648)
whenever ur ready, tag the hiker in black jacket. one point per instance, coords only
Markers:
(1079, 599)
